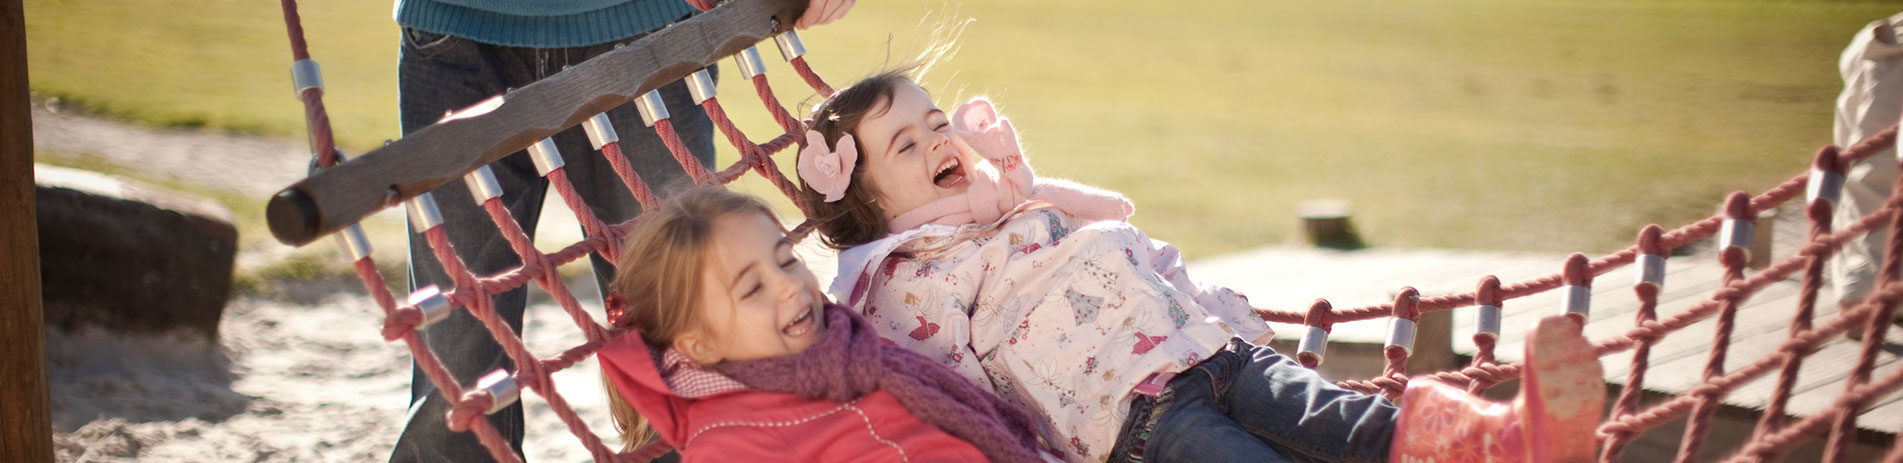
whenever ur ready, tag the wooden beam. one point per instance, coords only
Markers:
(26, 426)
(344, 194)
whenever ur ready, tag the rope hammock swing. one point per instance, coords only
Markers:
(340, 193)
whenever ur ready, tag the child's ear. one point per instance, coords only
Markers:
(697, 347)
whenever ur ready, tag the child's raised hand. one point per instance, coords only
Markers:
(828, 171)
(820, 12)
(977, 127)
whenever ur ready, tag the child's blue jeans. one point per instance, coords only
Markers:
(1248, 403)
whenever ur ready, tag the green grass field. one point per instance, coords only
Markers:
(1538, 125)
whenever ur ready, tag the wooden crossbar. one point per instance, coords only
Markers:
(344, 194)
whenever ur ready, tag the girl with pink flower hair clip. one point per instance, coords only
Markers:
(1040, 290)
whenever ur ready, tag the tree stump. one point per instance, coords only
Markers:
(1325, 224)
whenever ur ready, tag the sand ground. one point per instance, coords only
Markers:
(303, 377)
(286, 382)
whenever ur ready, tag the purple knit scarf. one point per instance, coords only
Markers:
(850, 361)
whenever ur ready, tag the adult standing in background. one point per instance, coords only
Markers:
(455, 53)
(1872, 99)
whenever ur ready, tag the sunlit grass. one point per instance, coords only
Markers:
(1546, 125)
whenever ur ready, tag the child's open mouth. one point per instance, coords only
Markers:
(802, 325)
(951, 173)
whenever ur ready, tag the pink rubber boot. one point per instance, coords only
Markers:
(1554, 419)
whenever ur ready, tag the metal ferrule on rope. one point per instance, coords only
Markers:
(482, 185)
(749, 62)
(546, 157)
(1579, 300)
(601, 131)
(1651, 271)
(790, 44)
(700, 85)
(652, 108)
(354, 243)
(1825, 185)
(1314, 342)
(432, 303)
(1489, 323)
(1735, 233)
(305, 76)
(501, 388)
(423, 213)
(1401, 334)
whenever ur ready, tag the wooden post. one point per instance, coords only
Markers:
(1325, 223)
(1433, 344)
(1761, 237)
(25, 421)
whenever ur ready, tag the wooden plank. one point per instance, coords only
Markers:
(1612, 299)
(1823, 393)
(441, 153)
(1760, 324)
(1762, 328)
(1833, 361)
(1892, 399)
(1827, 367)
(1455, 272)
(1680, 357)
(1763, 324)
(1677, 361)
(1372, 277)
(1681, 362)
(1887, 416)
(1614, 305)
(1686, 283)
(26, 426)
(1764, 316)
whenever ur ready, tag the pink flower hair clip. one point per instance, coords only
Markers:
(828, 171)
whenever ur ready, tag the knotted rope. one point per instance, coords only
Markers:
(1773, 437)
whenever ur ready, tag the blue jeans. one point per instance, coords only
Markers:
(1248, 403)
(438, 73)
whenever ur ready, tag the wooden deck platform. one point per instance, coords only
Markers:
(1294, 277)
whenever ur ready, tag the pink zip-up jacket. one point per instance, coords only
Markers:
(712, 418)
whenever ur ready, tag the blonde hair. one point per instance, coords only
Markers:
(658, 278)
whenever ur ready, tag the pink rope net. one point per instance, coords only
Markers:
(1773, 436)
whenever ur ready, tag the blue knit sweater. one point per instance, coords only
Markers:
(540, 23)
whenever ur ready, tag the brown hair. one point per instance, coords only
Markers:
(856, 218)
(658, 278)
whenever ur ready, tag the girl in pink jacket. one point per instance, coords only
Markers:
(1041, 291)
(732, 353)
